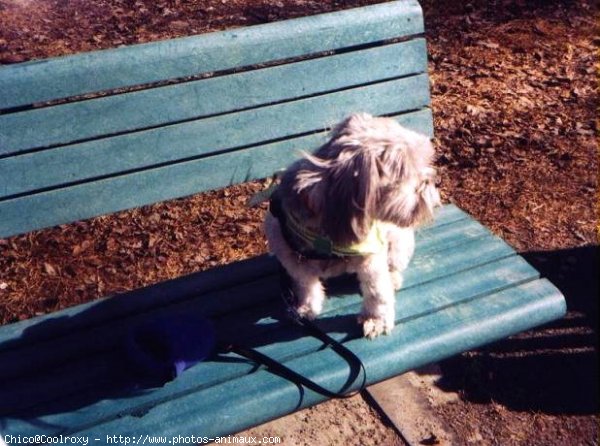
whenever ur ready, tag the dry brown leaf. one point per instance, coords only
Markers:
(50, 270)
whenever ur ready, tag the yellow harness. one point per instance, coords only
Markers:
(322, 246)
(373, 243)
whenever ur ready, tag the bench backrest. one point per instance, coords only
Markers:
(104, 131)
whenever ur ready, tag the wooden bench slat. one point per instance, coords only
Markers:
(203, 137)
(137, 189)
(440, 293)
(45, 80)
(63, 124)
(261, 396)
(450, 237)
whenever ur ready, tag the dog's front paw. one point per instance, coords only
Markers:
(375, 326)
(308, 311)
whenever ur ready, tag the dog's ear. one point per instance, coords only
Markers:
(350, 188)
(308, 182)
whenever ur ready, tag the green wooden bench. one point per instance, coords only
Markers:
(206, 112)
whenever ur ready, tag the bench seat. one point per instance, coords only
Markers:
(465, 287)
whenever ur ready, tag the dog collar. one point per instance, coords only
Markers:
(318, 245)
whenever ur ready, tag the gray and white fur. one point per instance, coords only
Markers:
(371, 169)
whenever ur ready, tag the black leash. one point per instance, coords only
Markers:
(357, 368)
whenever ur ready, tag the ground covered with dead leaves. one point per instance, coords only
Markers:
(514, 90)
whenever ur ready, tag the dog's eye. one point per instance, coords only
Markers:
(424, 184)
(432, 179)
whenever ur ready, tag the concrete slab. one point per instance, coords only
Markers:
(407, 401)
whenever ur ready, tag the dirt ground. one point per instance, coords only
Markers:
(514, 92)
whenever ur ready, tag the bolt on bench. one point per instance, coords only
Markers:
(182, 116)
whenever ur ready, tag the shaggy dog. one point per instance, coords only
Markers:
(352, 207)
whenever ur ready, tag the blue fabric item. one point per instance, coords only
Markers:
(160, 350)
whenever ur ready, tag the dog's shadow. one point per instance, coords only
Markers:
(37, 388)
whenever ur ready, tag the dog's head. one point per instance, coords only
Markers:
(371, 169)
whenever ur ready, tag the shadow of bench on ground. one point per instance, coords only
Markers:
(552, 369)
